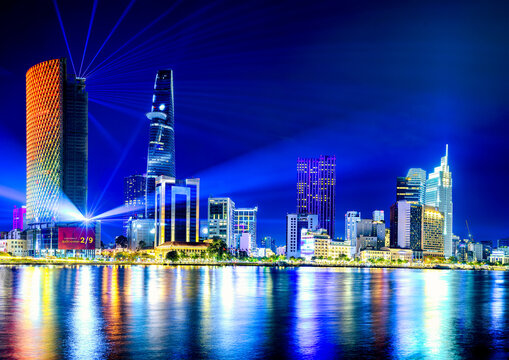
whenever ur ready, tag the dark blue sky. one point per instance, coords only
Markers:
(382, 85)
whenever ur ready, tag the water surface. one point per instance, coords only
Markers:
(156, 312)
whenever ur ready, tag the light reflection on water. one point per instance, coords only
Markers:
(97, 312)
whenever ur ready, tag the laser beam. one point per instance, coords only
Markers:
(111, 32)
(63, 32)
(155, 21)
(88, 34)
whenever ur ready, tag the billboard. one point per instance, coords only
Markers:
(76, 238)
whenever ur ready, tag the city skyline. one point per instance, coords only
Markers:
(260, 157)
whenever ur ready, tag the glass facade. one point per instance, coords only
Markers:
(316, 190)
(221, 212)
(177, 210)
(439, 195)
(161, 149)
(245, 222)
(432, 230)
(134, 198)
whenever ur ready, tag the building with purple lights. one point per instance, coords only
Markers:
(18, 217)
(316, 189)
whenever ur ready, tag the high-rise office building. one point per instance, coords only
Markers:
(134, 198)
(57, 142)
(406, 225)
(221, 219)
(371, 228)
(245, 222)
(161, 148)
(412, 187)
(378, 215)
(268, 242)
(316, 190)
(19, 218)
(177, 214)
(432, 230)
(439, 195)
(295, 224)
(352, 218)
(417, 179)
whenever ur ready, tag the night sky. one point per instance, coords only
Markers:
(383, 85)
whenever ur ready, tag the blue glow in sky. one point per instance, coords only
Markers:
(381, 85)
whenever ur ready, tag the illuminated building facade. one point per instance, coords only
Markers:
(221, 217)
(57, 141)
(177, 216)
(352, 218)
(321, 243)
(19, 218)
(161, 149)
(245, 222)
(140, 233)
(439, 195)
(295, 223)
(268, 242)
(432, 230)
(316, 190)
(134, 198)
(378, 215)
(406, 225)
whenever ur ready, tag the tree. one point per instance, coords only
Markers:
(172, 255)
(141, 245)
(217, 248)
(120, 256)
(121, 241)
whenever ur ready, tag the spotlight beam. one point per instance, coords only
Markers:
(111, 32)
(63, 32)
(155, 21)
(94, 7)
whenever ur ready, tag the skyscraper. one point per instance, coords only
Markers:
(221, 218)
(161, 148)
(57, 142)
(406, 225)
(177, 215)
(439, 195)
(134, 197)
(19, 218)
(417, 180)
(351, 220)
(411, 187)
(295, 223)
(316, 190)
(245, 222)
(432, 230)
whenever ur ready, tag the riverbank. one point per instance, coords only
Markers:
(436, 266)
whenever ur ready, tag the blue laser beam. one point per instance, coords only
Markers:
(139, 51)
(88, 33)
(111, 32)
(155, 21)
(63, 32)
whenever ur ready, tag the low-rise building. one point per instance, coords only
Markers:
(15, 247)
(338, 249)
(373, 254)
(281, 250)
(401, 254)
(322, 243)
(500, 255)
(185, 248)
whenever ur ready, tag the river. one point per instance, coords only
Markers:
(161, 312)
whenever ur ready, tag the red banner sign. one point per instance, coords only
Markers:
(76, 238)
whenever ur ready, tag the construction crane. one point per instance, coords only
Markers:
(469, 234)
